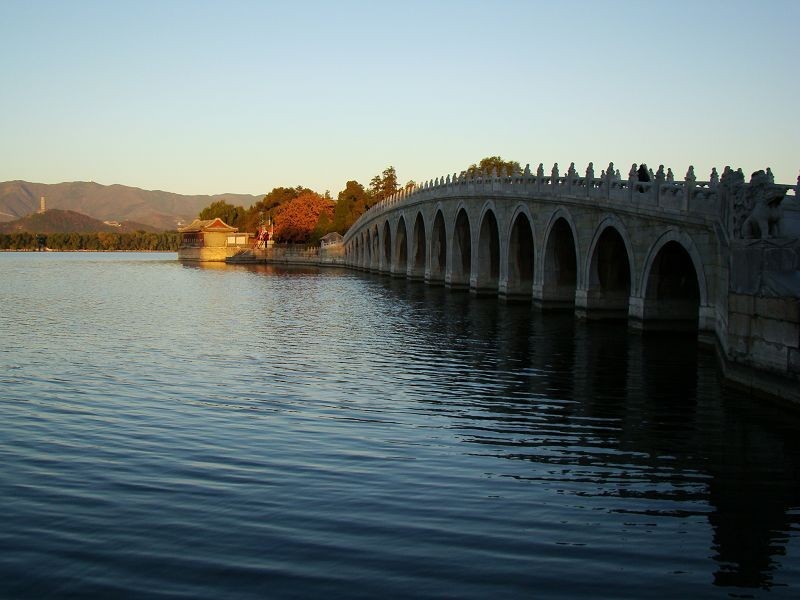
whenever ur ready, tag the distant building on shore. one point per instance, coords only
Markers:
(42, 206)
(332, 239)
(210, 240)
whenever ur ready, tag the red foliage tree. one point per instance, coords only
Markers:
(295, 220)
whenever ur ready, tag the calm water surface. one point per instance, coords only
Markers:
(169, 431)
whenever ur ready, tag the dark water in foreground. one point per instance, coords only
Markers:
(180, 432)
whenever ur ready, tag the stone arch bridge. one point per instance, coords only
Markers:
(655, 252)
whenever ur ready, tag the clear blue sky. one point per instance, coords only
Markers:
(212, 97)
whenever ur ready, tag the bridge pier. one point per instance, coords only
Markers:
(515, 291)
(597, 304)
(453, 283)
(434, 277)
(553, 297)
(672, 314)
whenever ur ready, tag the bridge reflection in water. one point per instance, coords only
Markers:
(612, 419)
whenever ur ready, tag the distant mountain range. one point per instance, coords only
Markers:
(68, 221)
(162, 211)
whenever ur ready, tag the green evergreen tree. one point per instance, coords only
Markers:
(489, 163)
(232, 215)
(384, 185)
(351, 203)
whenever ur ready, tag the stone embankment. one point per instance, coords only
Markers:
(762, 349)
(291, 254)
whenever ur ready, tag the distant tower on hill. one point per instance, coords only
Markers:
(42, 207)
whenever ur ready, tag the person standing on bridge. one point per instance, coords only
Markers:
(643, 175)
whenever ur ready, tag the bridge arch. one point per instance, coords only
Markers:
(386, 248)
(609, 271)
(400, 262)
(560, 273)
(438, 266)
(461, 250)
(673, 284)
(520, 253)
(418, 248)
(487, 276)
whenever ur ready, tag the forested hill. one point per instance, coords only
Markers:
(67, 221)
(159, 210)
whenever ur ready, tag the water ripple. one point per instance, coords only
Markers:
(172, 431)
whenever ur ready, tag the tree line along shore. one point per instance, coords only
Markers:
(166, 241)
(298, 215)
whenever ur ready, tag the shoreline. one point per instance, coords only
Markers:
(50, 250)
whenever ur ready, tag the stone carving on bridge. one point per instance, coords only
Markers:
(763, 198)
(756, 208)
(571, 172)
(609, 178)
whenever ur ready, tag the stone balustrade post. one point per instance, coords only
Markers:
(589, 181)
(571, 176)
(609, 179)
(539, 177)
(632, 178)
(688, 188)
(658, 181)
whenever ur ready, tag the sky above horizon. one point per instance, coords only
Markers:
(241, 97)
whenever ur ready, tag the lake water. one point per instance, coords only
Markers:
(176, 431)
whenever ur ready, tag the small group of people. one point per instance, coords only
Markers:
(262, 237)
(643, 174)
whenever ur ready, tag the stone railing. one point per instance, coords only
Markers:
(661, 192)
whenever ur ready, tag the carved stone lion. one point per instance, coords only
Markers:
(765, 199)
